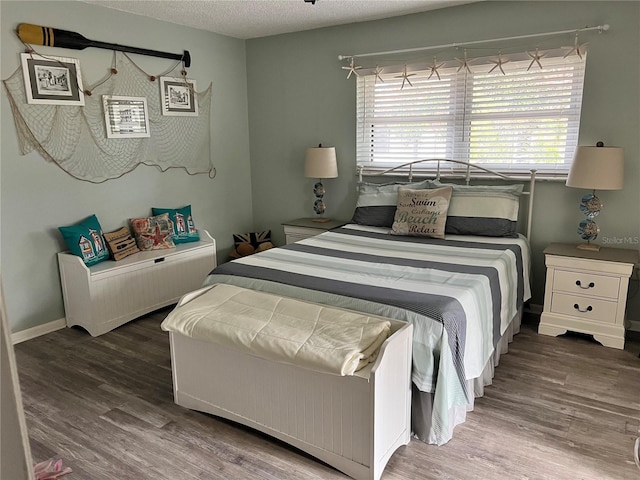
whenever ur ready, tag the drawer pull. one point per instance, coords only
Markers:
(591, 285)
(158, 260)
(577, 307)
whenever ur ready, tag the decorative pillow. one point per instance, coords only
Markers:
(421, 213)
(153, 233)
(85, 240)
(376, 203)
(184, 230)
(487, 210)
(120, 243)
(253, 242)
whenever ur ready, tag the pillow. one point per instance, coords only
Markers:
(85, 240)
(183, 228)
(153, 233)
(488, 210)
(120, 243)
(253, 242)
(376, 203)
(421, 213)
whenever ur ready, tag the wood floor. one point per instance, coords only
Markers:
(559, 408)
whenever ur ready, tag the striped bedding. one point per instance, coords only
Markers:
(459, 293)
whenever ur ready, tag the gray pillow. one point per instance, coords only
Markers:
(486, 210)
(377, 202)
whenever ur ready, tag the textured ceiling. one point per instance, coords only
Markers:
(260, 18)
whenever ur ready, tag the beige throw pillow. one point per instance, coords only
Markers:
(421, 213)
(121, 244)
(153, 233)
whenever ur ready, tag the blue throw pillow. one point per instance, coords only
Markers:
(184, 229)
(85, 240)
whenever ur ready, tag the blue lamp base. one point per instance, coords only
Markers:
(588, 229)
(318, 206)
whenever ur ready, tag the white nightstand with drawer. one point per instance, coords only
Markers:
(586, 292)
(302, 228)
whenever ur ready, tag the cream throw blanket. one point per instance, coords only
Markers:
(282, 329)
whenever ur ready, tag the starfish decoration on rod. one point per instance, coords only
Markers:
(535, 58)
(434, 69)
(377, 73)
(577, 47)
(405, 77)
(498, 63)
(464, 63)
(353, 68)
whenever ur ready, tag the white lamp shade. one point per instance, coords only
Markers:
(597, 168)
(320, 162)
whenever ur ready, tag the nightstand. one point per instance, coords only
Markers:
(586, 292)
(305, 227)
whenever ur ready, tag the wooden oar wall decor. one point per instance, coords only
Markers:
(54, 37)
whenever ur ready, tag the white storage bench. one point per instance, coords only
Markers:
(353, 423)
(106, 295)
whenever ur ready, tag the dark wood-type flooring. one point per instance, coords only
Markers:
(559, 408)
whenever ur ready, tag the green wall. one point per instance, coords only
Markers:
(299, 97)
(37, 197)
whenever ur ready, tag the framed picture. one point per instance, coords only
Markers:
(52, 80)
(178, 96)
(125, 117)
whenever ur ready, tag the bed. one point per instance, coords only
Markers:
(463, 293)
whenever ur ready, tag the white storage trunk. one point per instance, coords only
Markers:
(106, 295)
(353, 423)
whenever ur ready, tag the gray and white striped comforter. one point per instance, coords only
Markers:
(460, 293)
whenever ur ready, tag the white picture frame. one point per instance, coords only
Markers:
(52, 80)
(125, 117)
(178, 96)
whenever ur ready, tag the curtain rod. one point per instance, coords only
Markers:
(600, 28)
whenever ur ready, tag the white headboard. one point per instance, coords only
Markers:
(479, 172)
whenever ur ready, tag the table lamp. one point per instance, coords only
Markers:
(320, 162)
(595, 168)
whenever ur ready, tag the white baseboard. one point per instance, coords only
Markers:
(34, 332)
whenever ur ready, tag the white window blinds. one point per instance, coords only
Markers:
(511, 123)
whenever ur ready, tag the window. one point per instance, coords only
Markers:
(511, 123)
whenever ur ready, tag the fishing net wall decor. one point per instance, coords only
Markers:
(74, 137)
